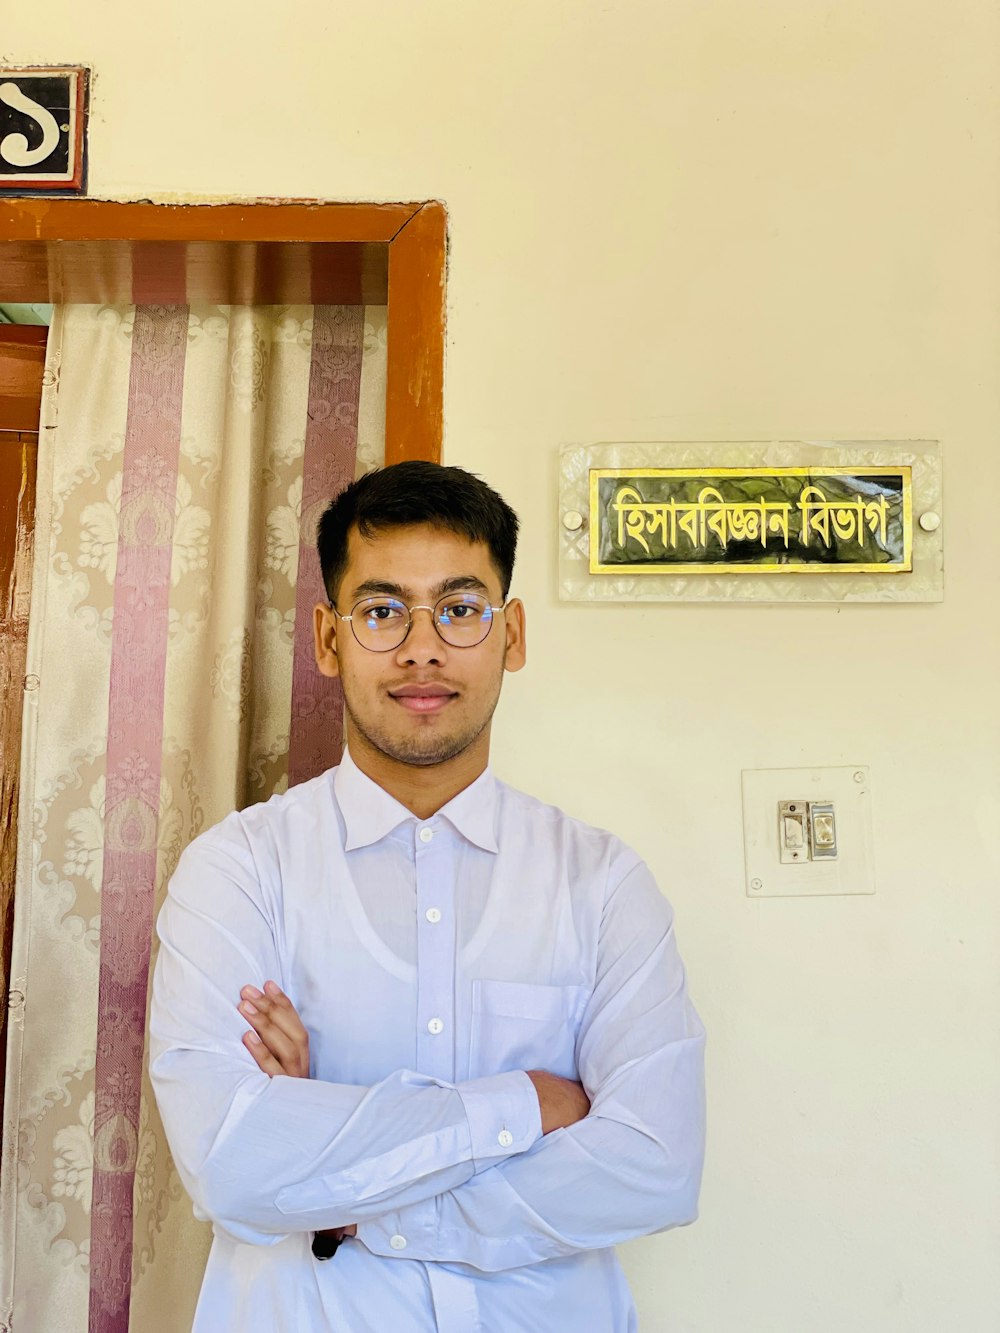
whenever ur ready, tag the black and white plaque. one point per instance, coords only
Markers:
(43, 113)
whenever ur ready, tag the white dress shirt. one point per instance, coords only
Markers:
(432, 962)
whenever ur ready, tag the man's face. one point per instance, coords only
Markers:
(426, 701)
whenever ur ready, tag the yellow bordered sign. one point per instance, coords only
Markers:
(763, 520)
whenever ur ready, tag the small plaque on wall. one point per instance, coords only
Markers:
(43, 117)
(792, 520)
(733, 521)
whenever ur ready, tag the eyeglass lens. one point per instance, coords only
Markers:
(461, 619)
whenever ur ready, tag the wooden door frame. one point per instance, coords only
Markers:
(65, 250)
(22, 362)
(21, 370)
(87, 250)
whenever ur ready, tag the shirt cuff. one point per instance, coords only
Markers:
(504, 1116)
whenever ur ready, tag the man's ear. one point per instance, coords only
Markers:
(513, 615)
(325, 639)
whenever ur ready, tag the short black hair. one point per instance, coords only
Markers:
(417, 491)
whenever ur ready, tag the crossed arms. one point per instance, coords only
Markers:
(279, 1044)
(265, 1157)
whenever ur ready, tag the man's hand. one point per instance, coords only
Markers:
(279, 1043)
(561, 1101)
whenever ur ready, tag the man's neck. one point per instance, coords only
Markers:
(422, 788)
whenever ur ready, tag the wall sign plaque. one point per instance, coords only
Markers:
(745, 520)
(43, 112)
(751, 520)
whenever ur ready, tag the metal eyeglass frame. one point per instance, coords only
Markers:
(409, 622)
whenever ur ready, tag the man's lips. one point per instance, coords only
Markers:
(429, 698)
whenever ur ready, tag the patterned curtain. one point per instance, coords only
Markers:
(184, 457)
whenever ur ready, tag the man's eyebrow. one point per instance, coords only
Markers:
(460, 583)
(384, 588)
(378, 587)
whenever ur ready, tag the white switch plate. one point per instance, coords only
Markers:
(849, 788)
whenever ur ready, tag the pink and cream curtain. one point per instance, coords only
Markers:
(184, 457)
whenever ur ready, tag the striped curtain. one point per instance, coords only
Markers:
(184, 457)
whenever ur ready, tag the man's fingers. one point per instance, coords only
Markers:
(274, 1037)
(265, 1060)
(273, 1017)
(561, 1101)
(277, 1007)
(340, 1233)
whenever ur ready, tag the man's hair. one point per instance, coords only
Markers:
(405, 494)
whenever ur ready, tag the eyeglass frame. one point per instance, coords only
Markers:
(375, 597)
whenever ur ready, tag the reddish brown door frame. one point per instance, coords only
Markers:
(22, 364)
(60, 250)
(22, 361)
(71, 250)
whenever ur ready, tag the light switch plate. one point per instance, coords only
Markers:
(848, 788)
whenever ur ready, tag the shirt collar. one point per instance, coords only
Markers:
(370, 813)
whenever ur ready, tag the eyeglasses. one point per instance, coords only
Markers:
(381, 624)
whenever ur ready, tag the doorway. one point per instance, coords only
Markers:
(22, 363)
(82, 251)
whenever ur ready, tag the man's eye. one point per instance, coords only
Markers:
(383, 613)
(461, 611)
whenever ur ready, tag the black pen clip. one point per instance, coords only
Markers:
(325, 1244)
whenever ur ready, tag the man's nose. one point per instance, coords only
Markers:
(422, 643)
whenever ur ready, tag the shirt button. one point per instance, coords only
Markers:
(435, 1026)
(505, 1138)
(433, 915)
(398, 1242)
(426, 834)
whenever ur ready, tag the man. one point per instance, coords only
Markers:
(504, 1070)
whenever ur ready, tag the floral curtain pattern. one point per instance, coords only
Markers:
(172, 545)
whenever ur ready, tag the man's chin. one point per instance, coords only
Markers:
(420, 742)
(424, 751)
(425, 747)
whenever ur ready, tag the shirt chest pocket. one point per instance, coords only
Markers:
(518, 1025)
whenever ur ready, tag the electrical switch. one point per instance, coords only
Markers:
(816, 846)
(793, 831)
(822, 831)
(807, 831)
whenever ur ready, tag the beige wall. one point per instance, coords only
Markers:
(703, 219)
